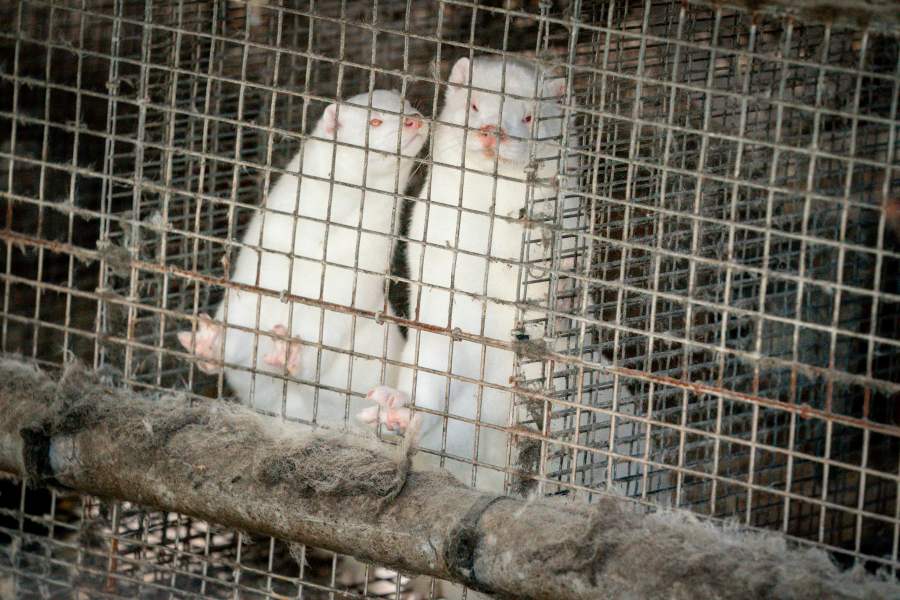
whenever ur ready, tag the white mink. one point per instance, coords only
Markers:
(320, 216)
(485, 173)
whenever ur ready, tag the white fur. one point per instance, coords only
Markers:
(465, 177)
(345, 248)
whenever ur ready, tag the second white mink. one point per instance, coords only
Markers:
(320, 237)
(464, 258)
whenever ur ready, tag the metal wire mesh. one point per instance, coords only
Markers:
(725, 245)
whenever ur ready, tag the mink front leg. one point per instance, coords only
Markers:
(286, 354)
(206, 343)
(391, 409)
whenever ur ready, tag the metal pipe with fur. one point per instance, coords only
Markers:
(225, 463)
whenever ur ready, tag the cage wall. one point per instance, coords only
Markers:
(722, 259)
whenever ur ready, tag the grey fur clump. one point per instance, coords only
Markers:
(528, 348)
(321, 468)
(674, 555)
(730, 562)
(117, 257)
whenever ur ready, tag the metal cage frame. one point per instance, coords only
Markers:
(724, 273)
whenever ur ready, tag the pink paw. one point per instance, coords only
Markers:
(205, 343)
(390, 409)
(285, 354)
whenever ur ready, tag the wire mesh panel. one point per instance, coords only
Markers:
(707, 311)
(738, 173)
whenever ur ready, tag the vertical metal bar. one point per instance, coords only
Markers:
(810, 183)
(727, 294)
(592, 226)
(266, 184)
(420, 267)
(839, 279)
(207, 542)
(373, 49)
(342, 49)
(236, 586)
(626, 227)
(566, 155)
(42, 185)
(15, 550)
(207, 139)
(10, 176)
(106, 195)
(695, 246)
(112, 554)
(767, 248)
(76, 139)
(176, 556)
(143, 99)
(660, 234)
(879, 258)
(168, 154)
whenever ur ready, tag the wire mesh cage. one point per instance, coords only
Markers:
(707, 312)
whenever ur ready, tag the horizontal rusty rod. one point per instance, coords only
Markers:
(803, 410)
(224, 463)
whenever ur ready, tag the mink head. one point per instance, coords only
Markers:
(374, 133)
(510, 111)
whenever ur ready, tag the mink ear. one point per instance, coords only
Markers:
(330, 118)
(459, 74)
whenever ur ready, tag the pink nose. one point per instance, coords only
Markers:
(488, 137)
(413, 122)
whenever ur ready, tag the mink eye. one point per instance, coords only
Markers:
(526, 119)
(474, 107)
(375, 122)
